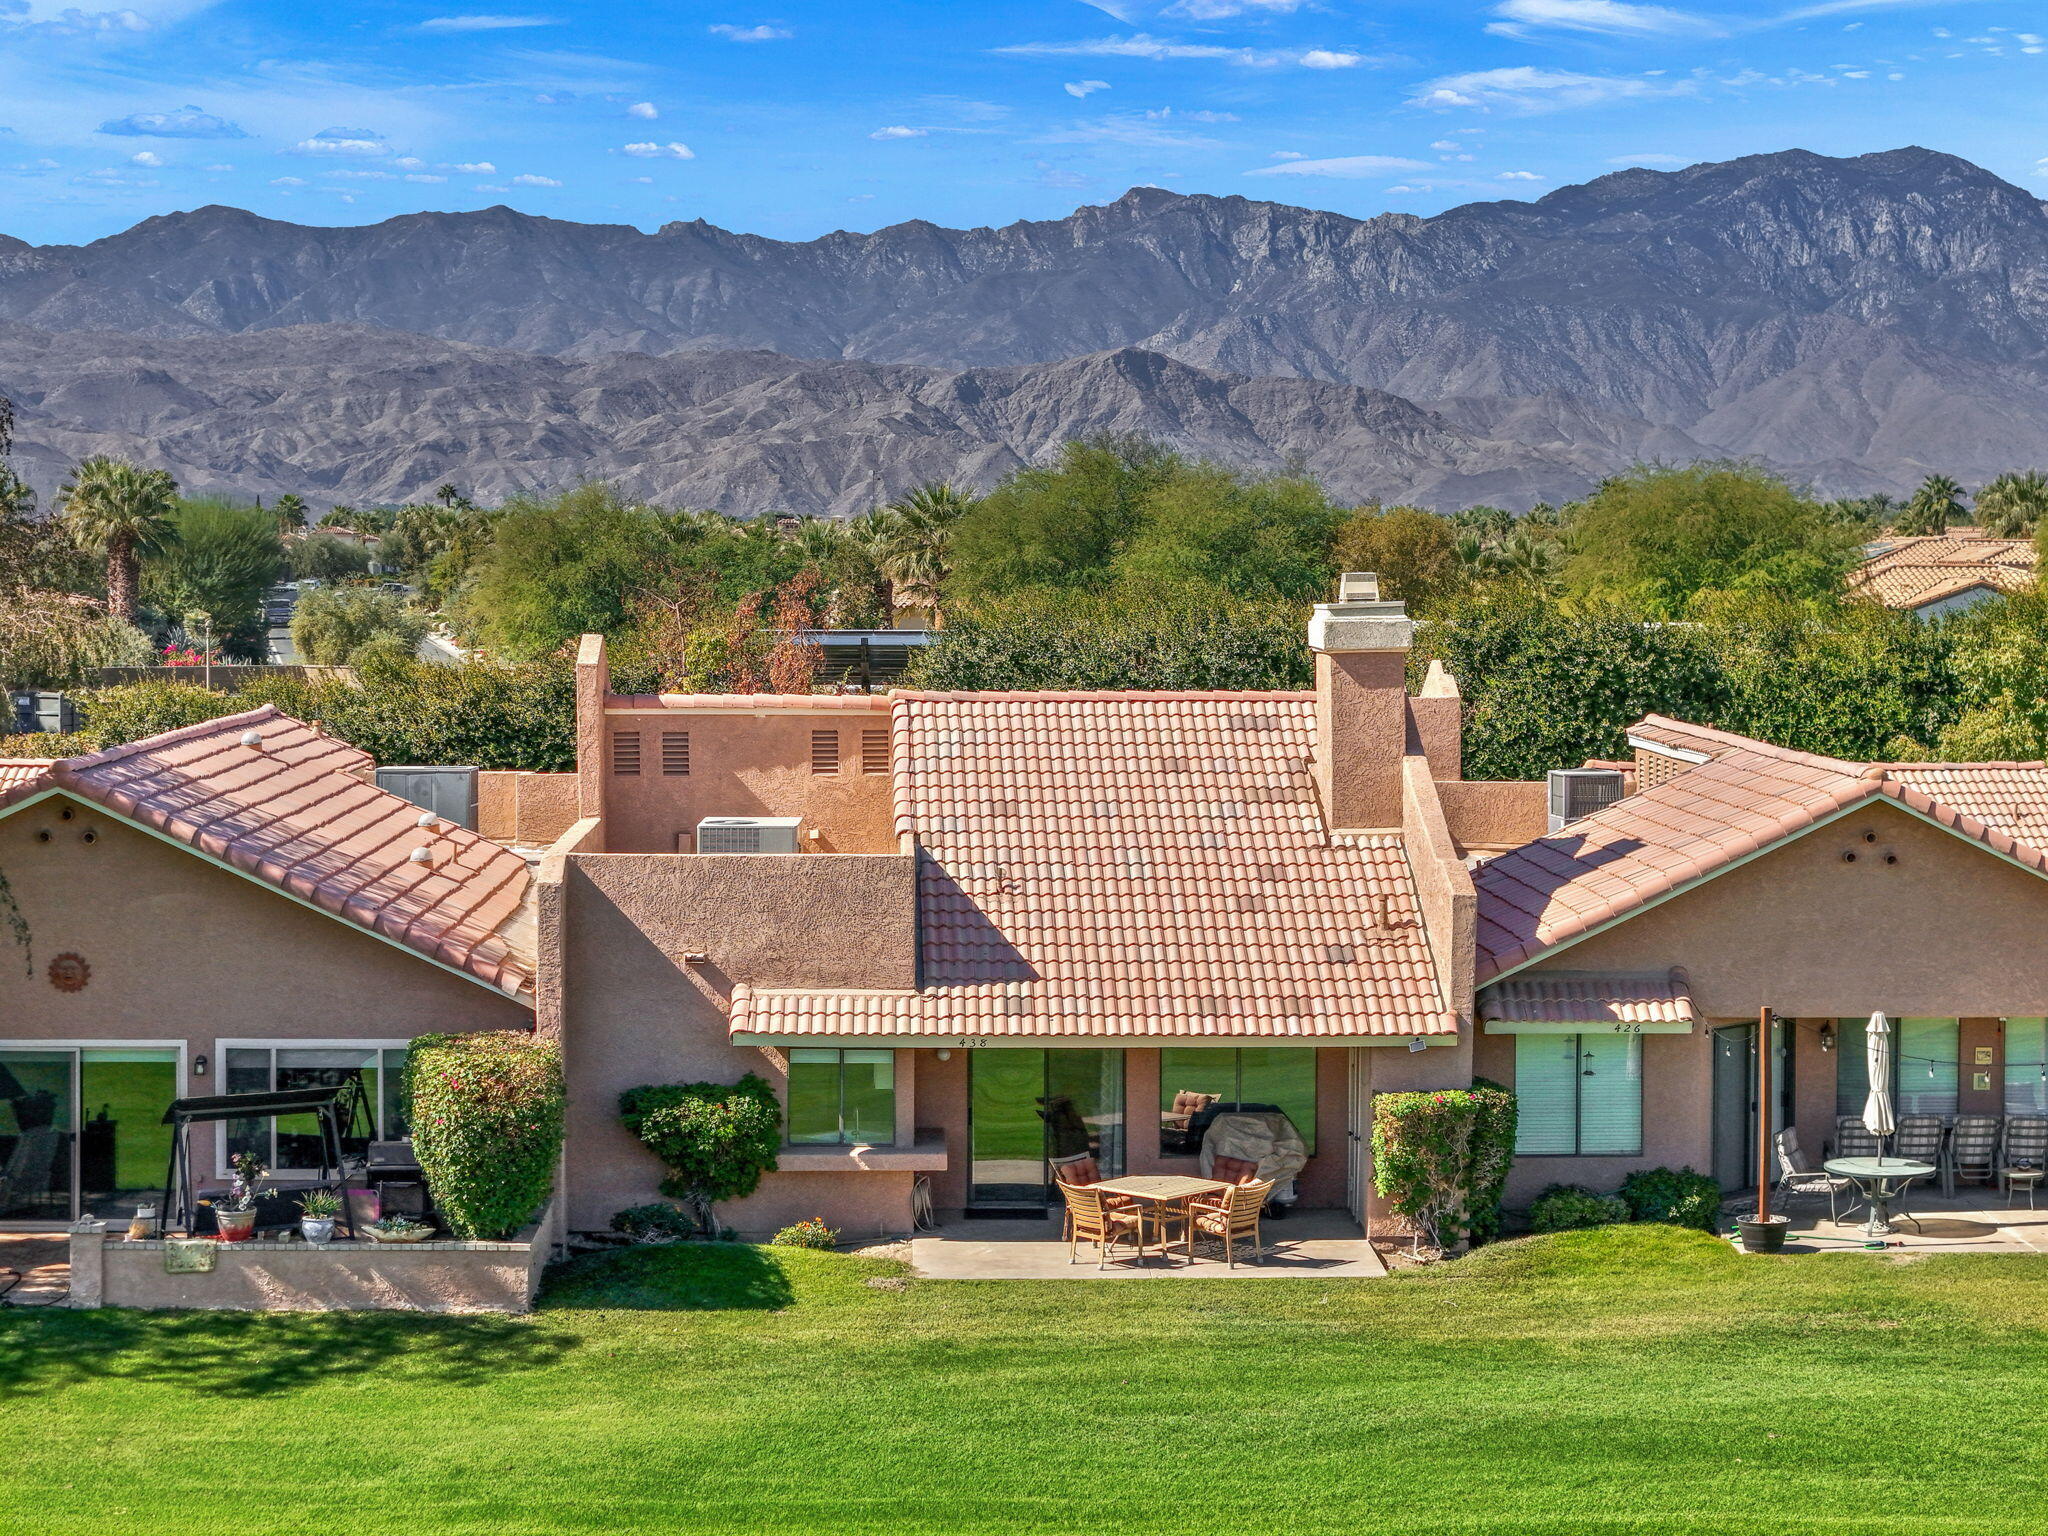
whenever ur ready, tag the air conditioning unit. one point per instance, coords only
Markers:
(1576, 792)
(748, 834)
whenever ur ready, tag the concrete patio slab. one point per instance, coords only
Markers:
(1320, 1245)
(35, 1268)
(1973, 1220)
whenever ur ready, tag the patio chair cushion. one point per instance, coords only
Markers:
(1077, 1170)
(1233, 1170)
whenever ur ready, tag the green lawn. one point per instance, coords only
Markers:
(1642, 1379)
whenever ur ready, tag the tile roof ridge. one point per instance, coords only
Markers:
(1735, 741)
(1101, 695)
(219, 724)
(2036, 765)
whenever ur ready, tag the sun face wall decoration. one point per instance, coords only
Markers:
(69, 973)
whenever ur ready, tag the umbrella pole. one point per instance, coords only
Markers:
(1763, 1115)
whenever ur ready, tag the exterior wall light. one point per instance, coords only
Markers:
(1827, 1037)
(199, 1065)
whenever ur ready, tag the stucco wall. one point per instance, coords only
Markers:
(634, 1012)
(532, 809)
(749, 765)
(1492, 814)
(182, 951)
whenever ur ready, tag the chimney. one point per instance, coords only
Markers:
(1361, 646)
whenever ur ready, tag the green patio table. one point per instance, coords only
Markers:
(1881, 1179)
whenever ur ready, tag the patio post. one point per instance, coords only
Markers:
(1763, 1115)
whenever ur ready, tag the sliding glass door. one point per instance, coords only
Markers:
(81, 1130)
(1025, 1107)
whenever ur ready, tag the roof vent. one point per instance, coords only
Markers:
(253, 739)
(422, 856)
(748, 834)
(429, 820)
(1576, 792)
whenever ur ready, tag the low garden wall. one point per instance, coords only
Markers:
(297, 1277)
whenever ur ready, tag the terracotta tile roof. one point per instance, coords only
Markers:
(296, 812)
(1133, 864)
(15, 771)
(1558, 997)
(751, 703)
(1913, 571)
(1745, 796)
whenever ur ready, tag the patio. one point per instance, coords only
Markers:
(1308, 1244)
(1975, 1219)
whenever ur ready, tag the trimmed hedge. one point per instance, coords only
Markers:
(486, 1112)
(1570, 1207)
(1440, 1158)
(1680, 1196)
(715, 1139)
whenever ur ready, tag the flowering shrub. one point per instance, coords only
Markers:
(1440, 1158)
(805, 1234)
(716, 1139)
(183, 656)
(486, 1112)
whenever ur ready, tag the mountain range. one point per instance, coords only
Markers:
(1856, 322)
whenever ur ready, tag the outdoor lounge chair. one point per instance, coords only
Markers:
(2024, 1156)
(1091, 1219)
(1232, 1215)
(1798, 1177)
(1973, 1149)
(1853, 1138)
(1924, 1139)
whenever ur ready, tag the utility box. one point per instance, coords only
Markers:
(34, 711)
(449, 793)
(1576, 792)
(748, 834)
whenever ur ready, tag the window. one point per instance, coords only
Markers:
(841, 1098)
(1193, 1079)
(626, 754)
(874, 751)
(1924, 1053)
(1579, 1095)
(675, 753)
(824, 751)
(292, 1144)
(2026, 1066)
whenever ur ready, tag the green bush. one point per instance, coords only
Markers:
(331, 625)
(486, 1113)
(805, 1234)
(655, 1222)
(1681, 1197)
(715, 1139)
(1568, 1207)
(1492, 1155)
(1440, 1160)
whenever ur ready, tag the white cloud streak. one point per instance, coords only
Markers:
(1526, 89)
(1347, 167)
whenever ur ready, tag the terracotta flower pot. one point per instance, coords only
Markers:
(235, 1226)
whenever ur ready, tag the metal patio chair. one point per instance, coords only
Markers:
(1796, 1176)
(1853, 1139)
(2024, 1156)
(1973, 1149)
(1924, 1139)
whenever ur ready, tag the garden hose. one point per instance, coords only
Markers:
(1875, 1244)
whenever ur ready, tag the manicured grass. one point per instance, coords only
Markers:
(1628, 1380)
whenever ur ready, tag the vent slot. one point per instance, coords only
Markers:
(626, 754)
(824, 751)
(675, 753)
(874, 751)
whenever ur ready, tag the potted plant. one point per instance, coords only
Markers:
(399, 1229)
(234, 1213)
(317, 1212)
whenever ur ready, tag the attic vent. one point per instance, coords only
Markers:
(1175, 765)
(1016, 1004)
(1002, 808)
(1251, 903)
(1104, 807)
(1576, 792)
(1212, 1007)
(1251, 723)
(1295, 1008)
(626, 754)
(824, 751)
(675, 753)
(1272, 871)
(874, 751)
(1340, 954)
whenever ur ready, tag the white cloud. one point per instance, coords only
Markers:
(652, 151)
(220, 167)
(1142, 45)
(1527, 89)
(363, 175)
(1219, 10)
(425, 178)
(530, 180)
(1165, 114)
(1287, 154)
(645, 181)
(1608, 18)
(1350, 167)
(762, 34)
(148, 157)
(473, 168)
(287, 181)
(1081, 88)
(1446, 145)
(356, 142)
(187, 122)
(1518, 176)
(643, 109)
(899, 131)
(1138, 132)
(483, 23)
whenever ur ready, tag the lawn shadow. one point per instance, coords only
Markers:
(670, 1277)
(259, 1354)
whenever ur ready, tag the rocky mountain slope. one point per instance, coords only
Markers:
(355, 414)
(1859, 321)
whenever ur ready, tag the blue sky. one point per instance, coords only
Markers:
(791, 118)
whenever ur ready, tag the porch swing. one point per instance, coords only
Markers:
(335, 1110)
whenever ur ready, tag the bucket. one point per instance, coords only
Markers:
(1765, 1236)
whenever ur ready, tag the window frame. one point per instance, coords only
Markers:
(840, 1052)
(1236, 1055)
(223, 1169)
(2011, 1071)
(1854, 1029)
(1633, 1043)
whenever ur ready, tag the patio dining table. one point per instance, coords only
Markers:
(1154, 1193)
(1881, 1179)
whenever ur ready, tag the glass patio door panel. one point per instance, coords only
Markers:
(2026, 1066)
(124, 1148)
(37, 1118)
(1025, 1106)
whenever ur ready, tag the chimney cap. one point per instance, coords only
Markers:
(1360, 619)
(1358, 587)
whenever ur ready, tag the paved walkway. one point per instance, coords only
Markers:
(42, 1260)
(1320, 1245)
(1974, 1220)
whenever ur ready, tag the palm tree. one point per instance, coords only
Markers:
(1937, 503)
(915, 545)
(123, 511)
(2011, 505)
(290, 512)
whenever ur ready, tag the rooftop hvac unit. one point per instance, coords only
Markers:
(1576, 792)
(448, 791)
(748, 834)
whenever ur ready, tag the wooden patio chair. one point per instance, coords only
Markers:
(1230, 1216)
(2024, 1156)
(1973, 1149)
(1081, 1170)
(1796, 1176)
(1091, 1219)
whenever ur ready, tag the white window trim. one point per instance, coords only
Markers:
(272, 1043)
(1579, 1106)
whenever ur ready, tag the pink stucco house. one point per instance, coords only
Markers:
(947, 922)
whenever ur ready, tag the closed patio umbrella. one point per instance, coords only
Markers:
(1877, 1109)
